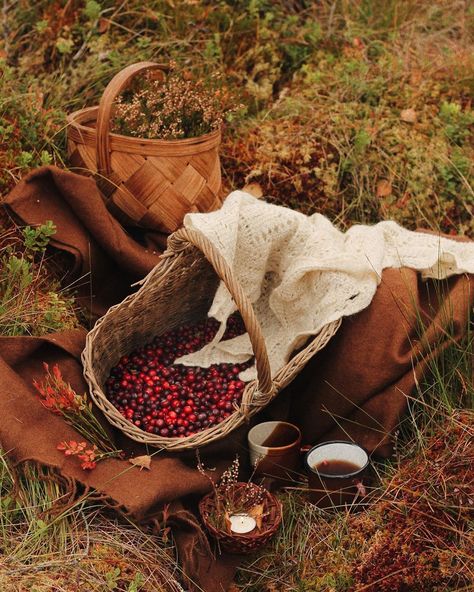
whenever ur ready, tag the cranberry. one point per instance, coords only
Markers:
(174, 400)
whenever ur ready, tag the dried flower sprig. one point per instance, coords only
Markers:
(57, 395)
(88, 455)
(230, 498)
(60, 398)
(176, 108)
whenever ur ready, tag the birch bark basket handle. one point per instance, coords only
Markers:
(113, 89)
(225, 273)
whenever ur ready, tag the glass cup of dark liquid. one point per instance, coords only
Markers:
(336, 472)
(275, 448)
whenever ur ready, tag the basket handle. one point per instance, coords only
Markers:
(113, 89)
(225, 273)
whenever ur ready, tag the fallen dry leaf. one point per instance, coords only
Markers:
(254, 189)
(228, 523)
(416, 77)
(257, 513)
(103, 25)
(384, 188)
(409, 115)
(144, 462)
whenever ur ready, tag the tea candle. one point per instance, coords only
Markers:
(242, 523)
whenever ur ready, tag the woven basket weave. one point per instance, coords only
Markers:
(180, 290)
(145, 183)
(243, 544)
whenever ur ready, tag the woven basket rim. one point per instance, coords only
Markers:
(162, 443)
(80, 132)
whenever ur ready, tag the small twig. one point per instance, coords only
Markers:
(5, 28)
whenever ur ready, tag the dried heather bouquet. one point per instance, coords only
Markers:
(60, 398)
(173, 109)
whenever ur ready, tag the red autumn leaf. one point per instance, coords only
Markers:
(57, 372)
(88, 465)
(103, 25)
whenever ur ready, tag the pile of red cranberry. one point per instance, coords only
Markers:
(173, 400)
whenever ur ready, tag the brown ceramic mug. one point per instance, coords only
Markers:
(336, 473)
(274, 448)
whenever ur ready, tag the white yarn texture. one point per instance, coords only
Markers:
(300, 272)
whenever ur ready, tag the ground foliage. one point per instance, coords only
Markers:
(358, 109)
(32, 301)
(51, 544)
(415, 534)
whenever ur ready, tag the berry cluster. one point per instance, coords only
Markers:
(173, 400)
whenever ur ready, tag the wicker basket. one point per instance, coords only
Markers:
(146, 183)
(242, 544)
(180, 290)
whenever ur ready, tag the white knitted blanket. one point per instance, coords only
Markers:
(301, 272)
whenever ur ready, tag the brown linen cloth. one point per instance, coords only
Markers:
(105, 259)
(355, 388)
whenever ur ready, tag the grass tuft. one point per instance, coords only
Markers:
(31, 301)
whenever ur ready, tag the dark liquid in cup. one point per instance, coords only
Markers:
(282, 435)
(336, 467)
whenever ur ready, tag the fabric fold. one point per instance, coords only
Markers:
(355, 388)
(301, 272)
